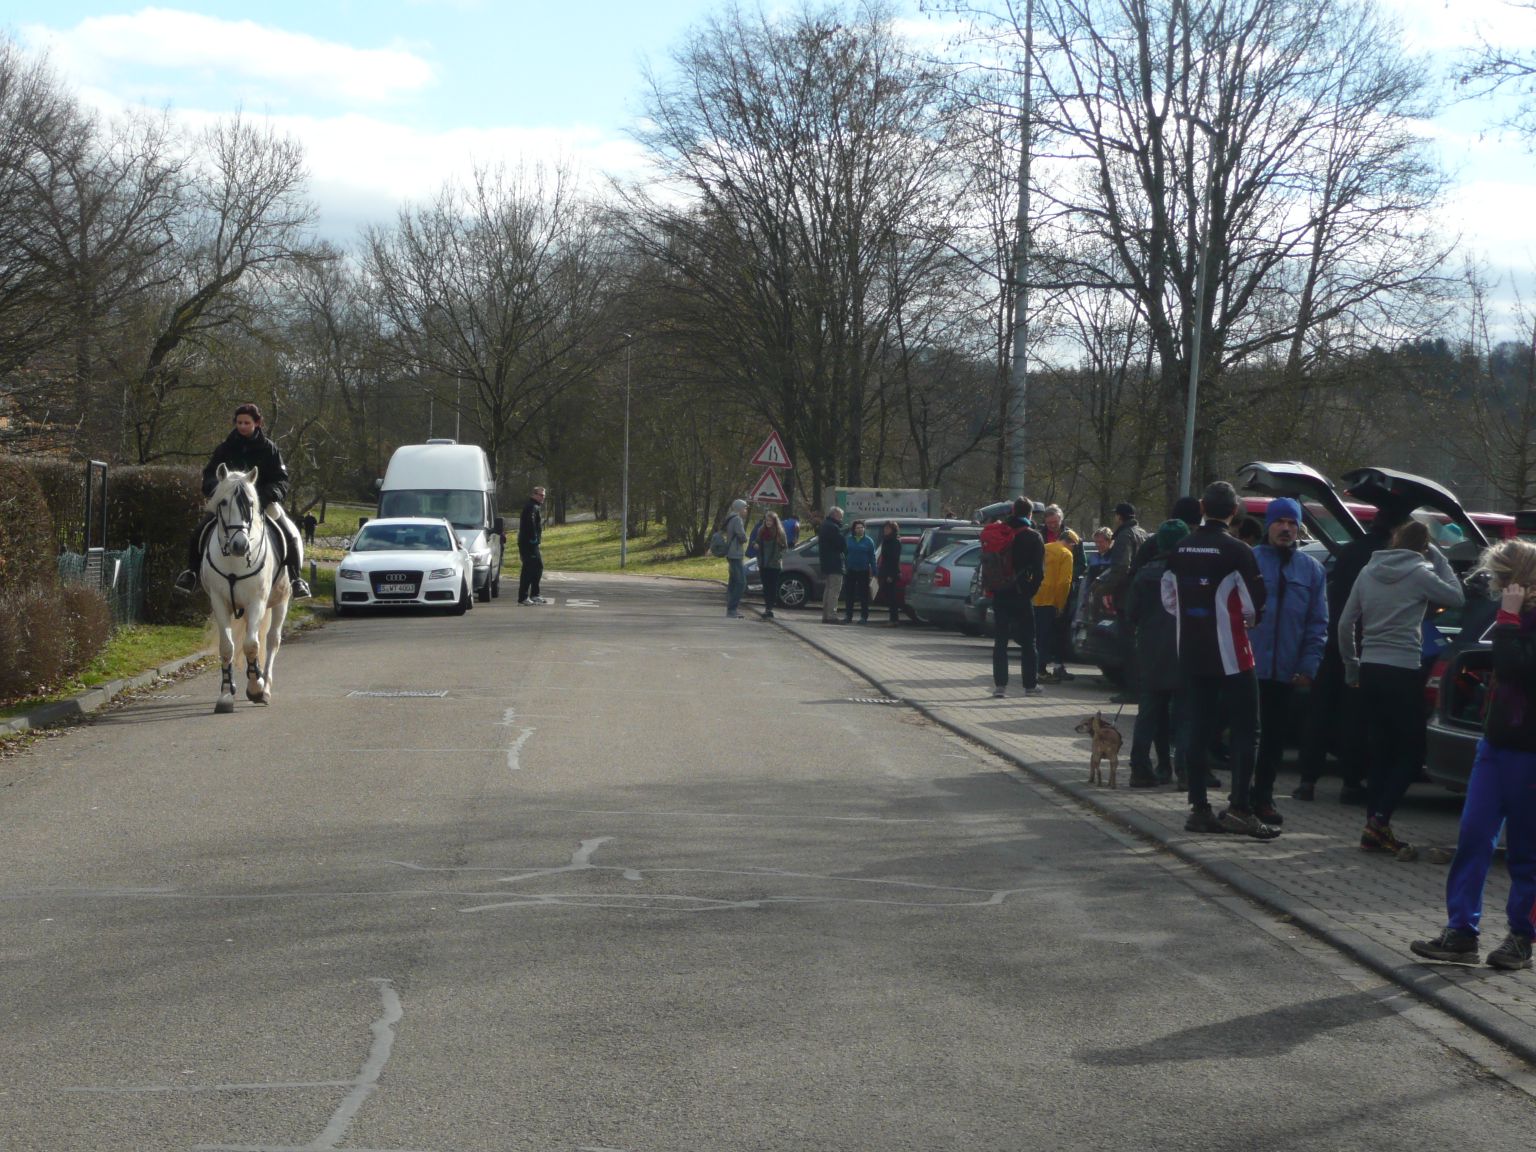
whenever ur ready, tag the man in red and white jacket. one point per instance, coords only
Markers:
(1214, 590)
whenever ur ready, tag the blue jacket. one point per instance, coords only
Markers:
(1293, 632)
(861, 554)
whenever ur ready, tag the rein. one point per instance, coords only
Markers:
(256, 556)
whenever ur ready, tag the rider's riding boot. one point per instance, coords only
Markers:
(298, 585)
(186, 583)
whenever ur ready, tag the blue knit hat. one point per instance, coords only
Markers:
(1283, 508)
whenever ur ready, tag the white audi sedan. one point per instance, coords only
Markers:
(406, 561)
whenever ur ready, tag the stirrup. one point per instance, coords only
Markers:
(298, 588)
(186, 583)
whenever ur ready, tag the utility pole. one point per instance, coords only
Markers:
(1018, 381)
(624, 497)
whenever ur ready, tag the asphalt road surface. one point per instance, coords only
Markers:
(621, 874)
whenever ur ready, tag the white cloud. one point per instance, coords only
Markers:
(240, 50)
(1453, 25)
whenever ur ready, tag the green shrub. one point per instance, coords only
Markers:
(153, 506)
(28, 554)
(88, 617)
(33, 641)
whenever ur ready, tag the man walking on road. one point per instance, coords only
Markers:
(1214, 589)
(1288, 642)
(530, 535)
(830, 550)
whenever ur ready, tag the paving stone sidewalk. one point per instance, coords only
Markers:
(1315, 873)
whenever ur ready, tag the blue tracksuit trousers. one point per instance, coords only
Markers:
(1502, 790)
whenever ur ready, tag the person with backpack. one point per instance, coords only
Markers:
(1012, 567)
(735, 531)
(1156, 635)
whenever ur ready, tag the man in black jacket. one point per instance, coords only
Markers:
(831, 547)
(1214, 589)
(530, 535)
(1013, 607)
(247, 447)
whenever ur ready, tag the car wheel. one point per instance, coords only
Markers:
(484, 594)
(793, 592)
(464, 602)
(339, 609)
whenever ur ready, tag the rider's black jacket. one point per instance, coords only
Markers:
(240, 454)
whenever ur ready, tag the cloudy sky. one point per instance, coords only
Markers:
(392, 97)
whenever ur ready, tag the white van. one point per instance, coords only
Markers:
(452, 480)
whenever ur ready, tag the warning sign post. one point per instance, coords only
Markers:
(769, 489)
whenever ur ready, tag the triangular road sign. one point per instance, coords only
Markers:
(768, 489)
(772, 454)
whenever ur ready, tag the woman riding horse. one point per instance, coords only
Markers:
(247, 447)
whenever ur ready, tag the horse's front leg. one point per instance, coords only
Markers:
(276, 615)
(255, 682)
(226, 633)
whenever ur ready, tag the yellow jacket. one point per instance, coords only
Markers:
(1056, 588)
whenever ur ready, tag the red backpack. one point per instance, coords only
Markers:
(997, 557)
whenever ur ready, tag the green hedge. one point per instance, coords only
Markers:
(152, 506)
(27, 547)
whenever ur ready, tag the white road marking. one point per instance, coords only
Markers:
(153, 1089)
(573, 603)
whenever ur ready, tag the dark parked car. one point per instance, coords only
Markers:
(801, 583)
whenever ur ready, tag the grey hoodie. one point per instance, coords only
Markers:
(1388, 601)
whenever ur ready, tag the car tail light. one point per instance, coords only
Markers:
(1432, 685)
(941, 577)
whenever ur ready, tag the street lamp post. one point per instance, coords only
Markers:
(1197, 323)
(624, 497)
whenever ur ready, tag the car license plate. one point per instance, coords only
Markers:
(397, 589)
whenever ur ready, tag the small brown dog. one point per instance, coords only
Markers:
(1106, 742)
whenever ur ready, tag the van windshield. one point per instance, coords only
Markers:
(463, 508)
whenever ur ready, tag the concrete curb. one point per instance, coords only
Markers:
(1423, 980)
(94, 699)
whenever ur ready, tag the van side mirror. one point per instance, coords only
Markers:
(1525, 521)
(500, 527)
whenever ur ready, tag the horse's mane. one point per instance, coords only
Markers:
(226, 487)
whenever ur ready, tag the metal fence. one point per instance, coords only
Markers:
(119, 575)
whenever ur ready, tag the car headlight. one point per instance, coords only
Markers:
(441, 573)
(350, 574)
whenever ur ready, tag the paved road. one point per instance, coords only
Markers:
(647, 879)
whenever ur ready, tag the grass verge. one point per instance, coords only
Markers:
(593, 546)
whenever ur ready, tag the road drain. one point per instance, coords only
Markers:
(874, 700)
(403, 693)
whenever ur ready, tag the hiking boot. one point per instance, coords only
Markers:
(1268, 814)
(1513, 954)
(186, 582)
(1203, 820)
(1453, 947)
(1143, 780)
(1061, 675)
(1379, 837)
(1306, 790)
(1241, 823)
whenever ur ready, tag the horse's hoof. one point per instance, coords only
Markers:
(264, 698)
(225, 704)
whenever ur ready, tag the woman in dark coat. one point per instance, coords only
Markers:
(888, 567)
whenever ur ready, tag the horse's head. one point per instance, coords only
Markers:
(235, 507)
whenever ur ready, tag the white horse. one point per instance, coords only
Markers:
(243, 573)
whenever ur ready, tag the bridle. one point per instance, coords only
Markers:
(235, 539)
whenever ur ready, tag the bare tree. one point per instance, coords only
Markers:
(498, 288)
(246, 215)
(1275, 138)
(1490, 67)
(811, 154)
